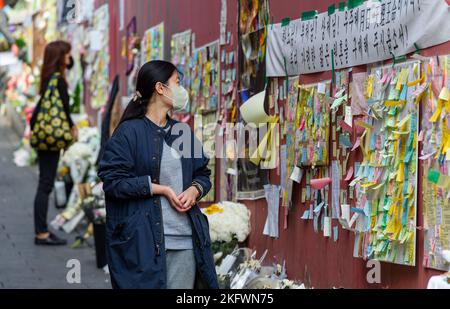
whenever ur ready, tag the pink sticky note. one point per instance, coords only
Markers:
(302, 125)
(363, 201)
(427, 156)
(318, 184)
(435, 87)
(349, 174)
(385, 77)
(357, 144)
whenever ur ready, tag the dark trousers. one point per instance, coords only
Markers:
(48, 166)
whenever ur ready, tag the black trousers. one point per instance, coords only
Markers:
(48, 166)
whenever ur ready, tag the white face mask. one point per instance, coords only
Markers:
(180, 98)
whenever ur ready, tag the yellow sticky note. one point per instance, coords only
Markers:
(417, 81)
(391, 103)
(369, 89)
(401, 79)
(401, 173)
(403, 121)
(437, 113)
(369, 184)
(123, 51)
(415, 68)
(364, 124)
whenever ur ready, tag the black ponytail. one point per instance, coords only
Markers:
(149, 75)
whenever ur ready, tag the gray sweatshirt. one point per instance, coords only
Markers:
(177, 227)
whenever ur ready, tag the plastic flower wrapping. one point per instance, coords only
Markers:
(242, 270)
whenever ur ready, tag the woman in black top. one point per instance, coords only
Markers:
(56, 60)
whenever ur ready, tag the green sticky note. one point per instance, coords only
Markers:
(433, 176)
(285, 21)
(354, 3)
(331, 9)
(308, 15)
(342, 6)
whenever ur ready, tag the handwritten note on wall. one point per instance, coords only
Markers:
(368, 33)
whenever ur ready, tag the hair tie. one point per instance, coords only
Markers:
(137, 95)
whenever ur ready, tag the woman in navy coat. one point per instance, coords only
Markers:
(154, 171)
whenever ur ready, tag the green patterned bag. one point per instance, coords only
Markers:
(51, 131)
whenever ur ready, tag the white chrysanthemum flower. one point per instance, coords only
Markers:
(232, 221)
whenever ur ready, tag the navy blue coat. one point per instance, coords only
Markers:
(134, 227)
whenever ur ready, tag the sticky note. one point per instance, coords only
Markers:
(353, 219)
(327, 227)
(369, 88)
(305, 215)
(404, 94)
(318, 208)
(363, 124)
(445, 94)
(316, 224)
(296, 174)
(318, 184)
(338, 102)
(433, 176)
(344, 223)
(393, 103)
(321, 88)
(345, 212)
(349, 174)
(357, 144)
(421, 135)
(348, 116)
(335, 233)
(344, 141)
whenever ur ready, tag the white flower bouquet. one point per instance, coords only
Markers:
(86, 148)
(228, 221)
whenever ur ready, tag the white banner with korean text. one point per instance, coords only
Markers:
(371, 32)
